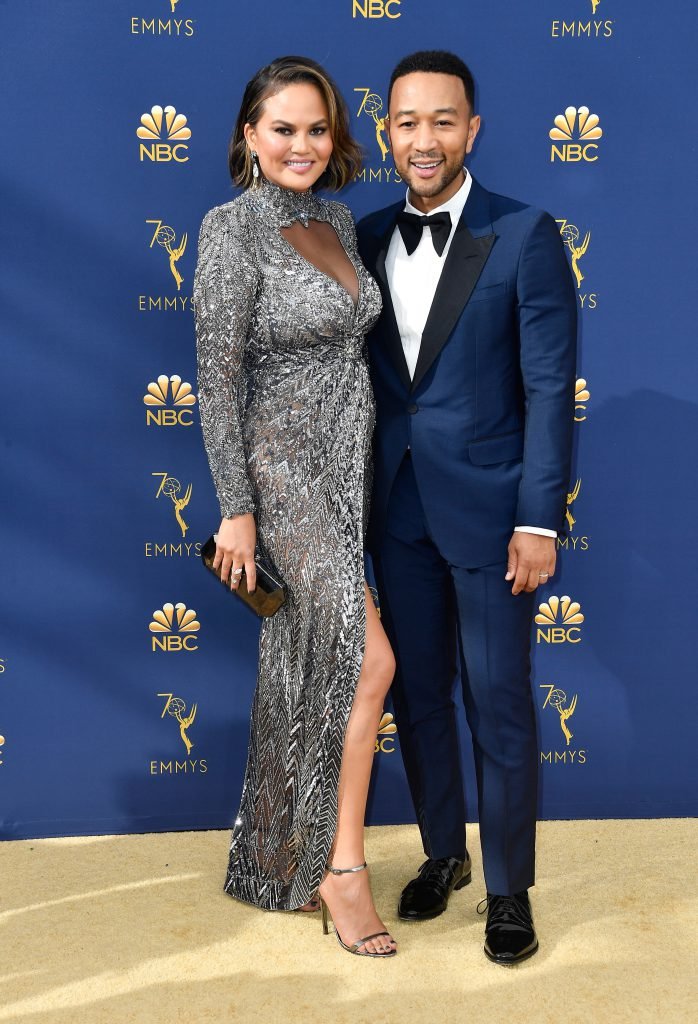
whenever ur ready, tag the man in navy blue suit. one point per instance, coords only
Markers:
(473, 368)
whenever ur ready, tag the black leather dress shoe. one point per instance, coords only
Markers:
(427, 895)
(509, 933)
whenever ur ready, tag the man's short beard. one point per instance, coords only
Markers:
(427, 189)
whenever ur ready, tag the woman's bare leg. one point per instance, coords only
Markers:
(349, 896)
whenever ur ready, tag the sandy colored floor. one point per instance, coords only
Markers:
(137, 929)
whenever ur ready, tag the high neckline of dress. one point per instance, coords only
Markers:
(287, 205)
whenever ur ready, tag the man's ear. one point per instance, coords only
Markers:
(473, 129)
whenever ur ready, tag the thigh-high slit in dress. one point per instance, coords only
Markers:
(287, 415)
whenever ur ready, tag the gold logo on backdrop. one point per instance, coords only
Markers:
(557, 700)
(376, 9)
(168, 632)
(164, 236)
(571, 498)
(176, 707)
(169, 391)
(171, 488)
(571, 542)
(163, 124)
(372, 105)
(387, 729)
(570, 236)
(592, 28)
(581, 397)
(577, 129)
(558, 620)
(173, 5)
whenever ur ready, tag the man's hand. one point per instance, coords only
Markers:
(531, 561)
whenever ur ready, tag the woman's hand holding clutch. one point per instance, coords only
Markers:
(235, 547)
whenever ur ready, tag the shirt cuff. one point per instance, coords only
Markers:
(539, 530)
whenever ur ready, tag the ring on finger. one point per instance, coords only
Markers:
(237, 572)
(543, 575)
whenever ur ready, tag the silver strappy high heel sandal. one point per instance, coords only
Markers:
(355, 947)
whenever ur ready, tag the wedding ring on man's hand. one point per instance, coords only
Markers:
(543, 574)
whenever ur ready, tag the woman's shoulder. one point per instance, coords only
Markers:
(339, 209)
(235, 214)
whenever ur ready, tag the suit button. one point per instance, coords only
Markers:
(412, 408)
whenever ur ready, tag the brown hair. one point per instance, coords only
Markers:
(346, 156)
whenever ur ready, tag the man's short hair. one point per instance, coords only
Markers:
(440, 62)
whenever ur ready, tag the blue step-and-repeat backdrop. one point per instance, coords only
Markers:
(126, 674)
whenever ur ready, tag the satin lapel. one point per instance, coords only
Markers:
(466, 258)
(388, 329)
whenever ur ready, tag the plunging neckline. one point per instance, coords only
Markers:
(323, 273)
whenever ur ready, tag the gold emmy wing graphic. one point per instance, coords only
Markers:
(579, 121)
(581, 397)
(171, 488)
(557, 699)
(157, 395)
(173, 4)
(164, 235)
(570, 236)
(571, 498)
(372, 105)
(594, 5)
(176, 707)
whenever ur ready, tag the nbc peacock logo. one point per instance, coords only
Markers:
(559, 620)
(385, 740)
(166, 131)
(581, 397)
(169, 402)
(174, 628)
(578, 130)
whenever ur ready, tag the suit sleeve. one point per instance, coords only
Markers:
(225, 287)
(547, 310)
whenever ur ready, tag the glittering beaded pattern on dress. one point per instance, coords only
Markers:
(287, 414)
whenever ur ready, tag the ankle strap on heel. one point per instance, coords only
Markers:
(346, 871)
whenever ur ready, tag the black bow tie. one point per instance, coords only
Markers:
(411, 226)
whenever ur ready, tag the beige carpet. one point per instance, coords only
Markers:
(137, 929)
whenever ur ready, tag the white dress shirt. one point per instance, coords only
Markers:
(413, 279)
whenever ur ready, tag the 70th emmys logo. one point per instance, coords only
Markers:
(560, 618)
(171, 488)
(160, 395)
(557, 700)
(167, 633)
(577, 248)
(371, 107)
(163, 124)
(376, 9)
(164, 236)
(575, 124)
(176, 708)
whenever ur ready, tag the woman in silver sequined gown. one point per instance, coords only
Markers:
(287, 414)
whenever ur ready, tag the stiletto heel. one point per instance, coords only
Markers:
(355, 946)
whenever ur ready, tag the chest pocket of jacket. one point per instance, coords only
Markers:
(490, 291)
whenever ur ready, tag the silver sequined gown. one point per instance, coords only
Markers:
(287, 414)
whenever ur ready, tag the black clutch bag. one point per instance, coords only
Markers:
(270, 592)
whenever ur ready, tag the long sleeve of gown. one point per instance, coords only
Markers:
(225, 286)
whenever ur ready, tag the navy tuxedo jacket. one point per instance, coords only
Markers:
(488, 415)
